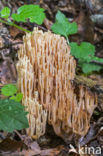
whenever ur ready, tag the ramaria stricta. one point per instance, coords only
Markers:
(46, 71)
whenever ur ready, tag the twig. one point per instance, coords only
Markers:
(24, 139)
(13, 24)
(11, 44)
(20, 136)
(95, 137)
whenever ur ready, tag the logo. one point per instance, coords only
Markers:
(85, 150)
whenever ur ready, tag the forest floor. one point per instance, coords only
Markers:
(11, 39)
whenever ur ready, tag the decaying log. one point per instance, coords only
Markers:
(93, 85)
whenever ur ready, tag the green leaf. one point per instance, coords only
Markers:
(9, 90)
(88, 68)
(17, 98)
(97, 59)
(62, 26)
(12, 116)
(84, 52)
(5, 12)
(32, 12)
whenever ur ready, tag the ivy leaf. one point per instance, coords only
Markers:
(62, 26)
(84, 52)
(12, 116)
(9, 90)
(88, 68)
(32, 12)
(17, 98)
(5, 12)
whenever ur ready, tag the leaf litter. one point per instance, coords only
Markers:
(8, 75)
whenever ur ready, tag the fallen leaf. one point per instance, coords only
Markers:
(7, 72)
(8, 145)
(46, 152)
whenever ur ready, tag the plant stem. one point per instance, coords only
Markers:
(67, 39)
(8, 23)
(20, 28)
(13, 24)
